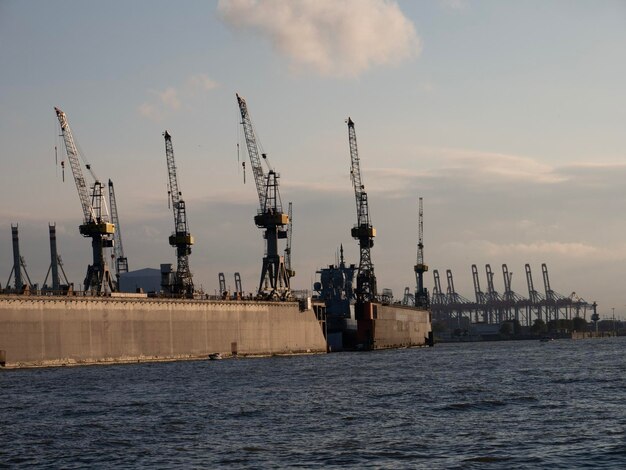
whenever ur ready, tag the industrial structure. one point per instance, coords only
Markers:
(363, 231)
(56, 264)
(19, 265)
(96, 223)
(275, 281)
(119, 258)
(290, 272)
(493, 307)
(181, 239)
(357, 317)
(421, 293)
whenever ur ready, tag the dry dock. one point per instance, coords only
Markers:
(48, 331)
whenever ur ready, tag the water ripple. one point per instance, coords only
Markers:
(498, 405)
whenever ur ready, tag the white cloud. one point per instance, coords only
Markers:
(201, 83)
(173, 99)
(500, 166)
(340, 38)
(169, 98)
(455, 5)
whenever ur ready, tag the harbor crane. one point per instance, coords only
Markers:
(363, 231)
(96, 223)
(493, 297)
(121, 262)
(439, 298)
(181, 239)
(421, 293)
(275, 282)
(481, 297)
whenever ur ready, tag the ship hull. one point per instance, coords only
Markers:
(50, 331)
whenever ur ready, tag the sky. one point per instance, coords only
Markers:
(507, 117)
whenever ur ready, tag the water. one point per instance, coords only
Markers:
(483, 405)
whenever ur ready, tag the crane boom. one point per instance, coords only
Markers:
(362, 208)
(364, 232)
(253, 151)
(72, 156)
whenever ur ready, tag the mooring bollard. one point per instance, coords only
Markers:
(3, 358)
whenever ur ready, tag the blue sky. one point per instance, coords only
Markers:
(507, 117)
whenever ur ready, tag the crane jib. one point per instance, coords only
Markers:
(89, 213)
(253, 151)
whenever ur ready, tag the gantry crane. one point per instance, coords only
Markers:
(493, 297)
(421, 293)
(439, 298)
(180, 238)
(274, 283)
(481, 297)
(121, 262)
(363, 231)
(96, 224)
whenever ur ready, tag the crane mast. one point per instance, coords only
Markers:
(363, 231)
(274, 282)
(421, 293)
(290, 272)
(96, 223)
(121, 262)
(181, 239)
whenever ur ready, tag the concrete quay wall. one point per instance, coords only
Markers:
(47, 331)
(396, 326)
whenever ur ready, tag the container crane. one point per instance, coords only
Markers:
(481, 297)
(363, 231)
(121, 262)
(181, 239)
(534, 296)
(421, 293)
(439, 298)
(274, 283)
(238, 287)
(493, 297)
(96, 224)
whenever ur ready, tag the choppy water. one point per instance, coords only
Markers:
(484, 405)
